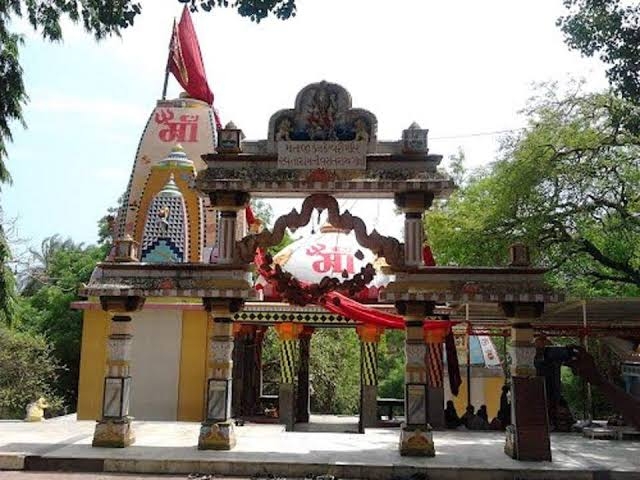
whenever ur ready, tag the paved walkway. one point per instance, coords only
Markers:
(263, 450)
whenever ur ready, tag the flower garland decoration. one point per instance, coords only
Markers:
(301, 293)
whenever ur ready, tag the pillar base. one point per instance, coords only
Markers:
(113, 433)
(416, 442)
(510, 442)
(286, 406)
(369, 406)
(436, 408)
(217, 436)
(518, 448)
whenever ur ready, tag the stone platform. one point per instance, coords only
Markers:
(263, 450)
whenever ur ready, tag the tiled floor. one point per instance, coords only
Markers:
(174, 443)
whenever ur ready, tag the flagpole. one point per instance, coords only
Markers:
(166, 81)
(166, 71)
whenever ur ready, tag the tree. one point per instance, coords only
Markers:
(45, 304)
(611, 29)
(568, 186)
(28, 371)
(7, 283)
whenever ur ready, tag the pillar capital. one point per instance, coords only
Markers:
(413, 202)
(306, 332)
(116, 304)
(229, 200)
(415, 310)
(242, 330)
(435, 335)
(518, 311)
(288, 330)
(222, 307)
(369, 333)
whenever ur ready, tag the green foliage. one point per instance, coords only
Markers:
(270, 363)
(12, 94)
(568, 186)
(264, 212)
(334, 368)
(28, 371)
(45, 306)
(335, 371)
(256, 10)
(611, 29)
(106, 225)
(8, 291)
(391, 364)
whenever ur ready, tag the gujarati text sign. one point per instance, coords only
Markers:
(332, 155)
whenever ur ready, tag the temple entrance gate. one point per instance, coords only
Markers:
(321, 149)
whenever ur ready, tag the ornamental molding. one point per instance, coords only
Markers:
(382, 246)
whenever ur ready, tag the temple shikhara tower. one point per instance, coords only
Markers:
(174, 317)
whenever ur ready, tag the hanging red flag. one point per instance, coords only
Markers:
(185, 62)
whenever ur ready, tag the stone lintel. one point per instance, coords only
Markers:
(357, 188)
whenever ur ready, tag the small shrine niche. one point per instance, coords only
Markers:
(164, 239)
(323, 112)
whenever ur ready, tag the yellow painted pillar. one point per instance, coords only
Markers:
(93, 358)
(193, 359)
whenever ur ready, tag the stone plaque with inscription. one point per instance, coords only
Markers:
(330, 155)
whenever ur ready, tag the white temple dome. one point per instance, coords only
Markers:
(331, 252)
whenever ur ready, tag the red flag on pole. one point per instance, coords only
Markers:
(185, 62)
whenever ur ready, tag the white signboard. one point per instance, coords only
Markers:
(348, 155)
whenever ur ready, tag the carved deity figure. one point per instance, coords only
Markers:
(361, 131)
(321, 114)
(35, 410)
(284, 130)
(163, 218)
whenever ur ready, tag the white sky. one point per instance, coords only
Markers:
(459, 68)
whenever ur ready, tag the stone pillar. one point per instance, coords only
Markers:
(247, 369)
(228, 203)
(415, 434)
(288, 337)
(528, 436)
(227, 232)
(413, 204)
(216, 432)
(369, 339)
(435, 377)
(114, 429)
(303, 399)
(237, 391)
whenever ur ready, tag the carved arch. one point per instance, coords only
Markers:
(388, 247)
